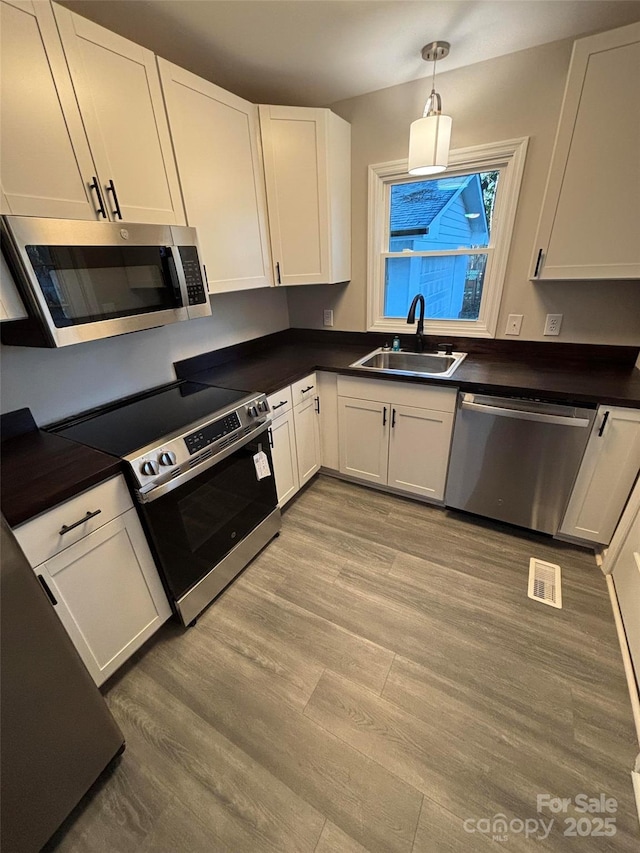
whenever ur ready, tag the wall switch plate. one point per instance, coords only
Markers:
(552, 326)
(514, 324)
(328, 317)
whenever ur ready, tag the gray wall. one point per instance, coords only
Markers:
(54, 383)
(515, 95)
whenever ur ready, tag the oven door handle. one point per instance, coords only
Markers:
(147, 495)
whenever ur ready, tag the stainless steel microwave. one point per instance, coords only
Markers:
(81, 281)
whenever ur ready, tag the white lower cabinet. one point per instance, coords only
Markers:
(295, 435)
(285, 458)
(104, 585)
(609, 468)
(305, 416)
(419, 441)
(396, 434)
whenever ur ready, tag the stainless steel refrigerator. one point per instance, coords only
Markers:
(57, 732)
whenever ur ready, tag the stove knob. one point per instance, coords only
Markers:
(149, 468)
(252, 412)
(167, 457)
(263, 406)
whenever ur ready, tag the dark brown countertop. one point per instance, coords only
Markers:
(40, 470)
(580, 380)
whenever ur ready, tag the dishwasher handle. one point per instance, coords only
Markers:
(521, 414)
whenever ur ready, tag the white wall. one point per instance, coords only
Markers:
(55, 383)
(515, 95)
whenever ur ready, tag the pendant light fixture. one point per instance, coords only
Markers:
(430, 135)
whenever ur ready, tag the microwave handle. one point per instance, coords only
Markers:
(171, 270)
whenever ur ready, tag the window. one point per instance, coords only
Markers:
(446, 237)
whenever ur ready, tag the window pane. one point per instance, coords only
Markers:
(451, 285)
(451, 212)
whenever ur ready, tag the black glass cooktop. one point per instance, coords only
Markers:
(151, 418)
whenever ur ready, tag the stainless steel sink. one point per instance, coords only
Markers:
(412, 363)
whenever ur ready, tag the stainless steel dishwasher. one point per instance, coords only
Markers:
(516, 459)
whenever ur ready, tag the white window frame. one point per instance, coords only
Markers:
(507, 156)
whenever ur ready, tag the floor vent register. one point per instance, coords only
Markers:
(545, 583)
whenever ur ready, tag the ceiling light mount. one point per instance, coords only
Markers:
(430, 135)
(435, 50)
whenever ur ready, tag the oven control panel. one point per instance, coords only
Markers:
(213, 432)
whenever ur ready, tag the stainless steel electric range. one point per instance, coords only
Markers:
(199, 463)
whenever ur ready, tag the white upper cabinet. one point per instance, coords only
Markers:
(216, 142)
(118, 90)
(588, 227)
(45, 162)
(307, 162)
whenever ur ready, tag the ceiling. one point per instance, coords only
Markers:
(317, 52)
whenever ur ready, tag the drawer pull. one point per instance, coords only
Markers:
(281, 403)
(67, 527)
(45, 587)
(304, 390)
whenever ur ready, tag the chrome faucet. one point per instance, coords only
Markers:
(418, 299)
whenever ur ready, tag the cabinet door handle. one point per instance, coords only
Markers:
(67, 527)
(603, 424)
(270, 434)
(45, 587)
(94, 185)
(112, 189)
(393, 418)
(278, 272)
(384, 416)
(317, 399)
(304, 390)
(279, 405)
(538, 262)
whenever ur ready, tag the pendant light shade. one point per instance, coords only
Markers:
(430, 136)
(429, 139)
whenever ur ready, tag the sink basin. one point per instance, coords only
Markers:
(412, 363)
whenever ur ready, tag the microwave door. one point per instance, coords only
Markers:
(91, 292)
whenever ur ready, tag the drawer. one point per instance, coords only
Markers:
(280, 402)
(40, 537)
(416, 395)
(304, 388)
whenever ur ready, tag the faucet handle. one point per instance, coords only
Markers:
(447, 349)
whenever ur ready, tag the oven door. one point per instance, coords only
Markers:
(90, 280)
(207, 529)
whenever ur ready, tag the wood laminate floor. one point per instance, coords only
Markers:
(374, 679)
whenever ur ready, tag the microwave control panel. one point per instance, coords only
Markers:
(196, 291)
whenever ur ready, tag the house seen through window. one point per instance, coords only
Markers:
(442, 228)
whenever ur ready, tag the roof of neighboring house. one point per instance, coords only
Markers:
(416, 205)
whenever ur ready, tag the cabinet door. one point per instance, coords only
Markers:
(285, 459)
(109, 596)
(606, 476)
(215, 139)
(363, 429)
(45, 162)
(419, 444)
(118, 90)
(11, 305)
(626, 578)
(294, 141)
(307, 428)
(588, 227)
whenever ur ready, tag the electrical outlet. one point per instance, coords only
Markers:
(328, 317)
(552, 326)
(514, 324)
